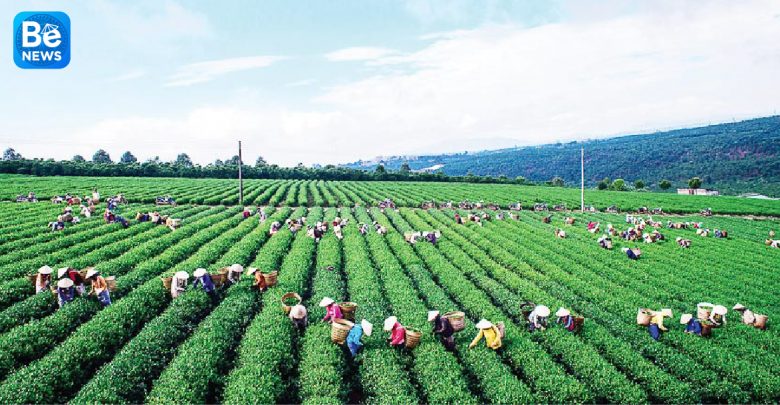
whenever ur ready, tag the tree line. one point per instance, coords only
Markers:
(102, 165)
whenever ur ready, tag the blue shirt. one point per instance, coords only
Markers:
(354, 336)
(66, 295)
(694, 326)
(205, 280)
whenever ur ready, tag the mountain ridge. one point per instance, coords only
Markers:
(735, 157)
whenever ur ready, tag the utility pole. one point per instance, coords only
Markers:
(582, 179)
(240, 179)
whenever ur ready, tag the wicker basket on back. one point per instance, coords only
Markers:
(760, 322)
(703, 311)
(348, 310)
(643, 317)
(339, 330)
(270, 278)
(457, 320)
(412, 339)
(289, 296)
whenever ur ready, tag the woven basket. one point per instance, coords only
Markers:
(643, 317)
(286, 308)
(703, 312)
(32, 278)
(270, 278)
(501, 329)
(218, 279)
(760, 322)
(166, 281)
(348, 310)
(339, 330)
(457, 320)
(706, 329)
(412, 338)
(111, 283)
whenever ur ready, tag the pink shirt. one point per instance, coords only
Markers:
(398, 335)
(332, 311)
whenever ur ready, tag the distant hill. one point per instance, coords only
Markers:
(734, 158)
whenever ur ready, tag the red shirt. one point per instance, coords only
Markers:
(398, 335)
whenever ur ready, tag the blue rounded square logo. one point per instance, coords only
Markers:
(42, 40)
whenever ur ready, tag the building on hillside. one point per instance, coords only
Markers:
(696, 191)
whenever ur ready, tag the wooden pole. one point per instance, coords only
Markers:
(582, 179)
(240, 179)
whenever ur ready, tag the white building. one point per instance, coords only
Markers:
(696, 191)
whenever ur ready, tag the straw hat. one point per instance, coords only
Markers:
(251, 270)
(326, 301)
(298, 311)
(65, 283)
(91, 272)
(678, 239)
(704, 304)
(182, 275)
(685, 319)
(562, 312)
(368, 328)
(719, 310)
(389, 322)
(45, 270)
(432, 315)
(667, 312)
(199, 272)
(624, 250)
(483, 324)
(62, 272)
(236, 268)
(542, 311)
(739, 307)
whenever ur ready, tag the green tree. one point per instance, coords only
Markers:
(405, 168)
(664, 184)
(619, 185)
(11, 154)
(260, 162)
(127, 157)
(602, 185)
(380, 169)
(183, 160)
(694, 182)
(639, 184)
(101, 156)
(232, 161)
(557, 182)
(78, 159)
(520, 180)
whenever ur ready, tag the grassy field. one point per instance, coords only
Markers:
(315, 193)
(241, 348)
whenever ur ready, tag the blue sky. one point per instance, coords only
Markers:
(336, 81)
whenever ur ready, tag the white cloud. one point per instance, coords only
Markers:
(497, 85)
(130, 75)
(151, 23)
(301, 83)
(358, 53)
(206, 71)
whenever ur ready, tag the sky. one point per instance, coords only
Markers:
(337, 81)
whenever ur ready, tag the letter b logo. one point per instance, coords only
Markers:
(42, 40)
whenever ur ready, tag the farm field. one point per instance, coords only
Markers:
(241, 348)
(347, 193)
